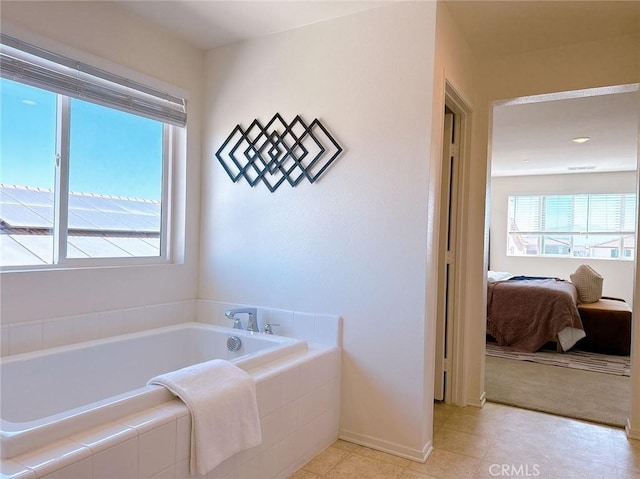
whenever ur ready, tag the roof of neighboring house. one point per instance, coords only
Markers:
(629, 242)
(99, 226)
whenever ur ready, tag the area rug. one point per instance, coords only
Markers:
(579, 394)
(586, 361)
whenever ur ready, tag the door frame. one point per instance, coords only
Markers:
(455, 338)
(632, 427)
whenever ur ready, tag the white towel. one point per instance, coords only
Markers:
(224, 410)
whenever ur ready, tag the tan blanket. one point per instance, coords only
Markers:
(526, 314)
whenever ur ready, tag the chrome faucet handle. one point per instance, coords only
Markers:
(237, 323)
(268, 329)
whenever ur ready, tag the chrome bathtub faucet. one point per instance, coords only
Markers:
(237, 324)
(268, 328)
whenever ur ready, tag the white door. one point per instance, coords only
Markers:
(446, 255)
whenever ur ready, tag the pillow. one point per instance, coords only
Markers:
(588, 283)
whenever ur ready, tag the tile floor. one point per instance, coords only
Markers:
(496, 441)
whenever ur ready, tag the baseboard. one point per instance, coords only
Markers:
(632, 433)
(480, 402)
(388, 447)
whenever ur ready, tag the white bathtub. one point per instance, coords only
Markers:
(51, 394)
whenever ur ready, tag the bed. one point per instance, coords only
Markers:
(525, 313)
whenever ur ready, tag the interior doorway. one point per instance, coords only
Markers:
(558, 259)
(449, 380)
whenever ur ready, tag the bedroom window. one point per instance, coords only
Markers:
(577, 226)
(85, 163)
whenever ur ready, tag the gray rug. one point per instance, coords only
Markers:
(591, 396)
(599, 363)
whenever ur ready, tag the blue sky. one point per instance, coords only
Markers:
(112, 152)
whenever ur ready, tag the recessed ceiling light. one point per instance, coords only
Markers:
(581, 139)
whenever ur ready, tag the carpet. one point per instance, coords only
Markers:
(579, 394)
(599, 363)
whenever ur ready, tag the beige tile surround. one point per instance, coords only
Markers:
(493, 442)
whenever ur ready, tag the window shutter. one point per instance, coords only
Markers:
(25, 63)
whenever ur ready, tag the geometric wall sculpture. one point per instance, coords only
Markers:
(278, 152)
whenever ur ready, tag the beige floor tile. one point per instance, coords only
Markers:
(627, 455)
(461, 443)
(581, 467)
(484, 443)
(516, 449)
(526, 422)
(382, 456)
(619, 436)
(549, 470)
(447, 465)
(586, 452)
(411, 474)
(346, 445)
(488, 410)
(577, 471)
(441, 413)
(628, 475)
(302, 474)
(356, 466)
(324, 461)
(480, 425)
(590, 431)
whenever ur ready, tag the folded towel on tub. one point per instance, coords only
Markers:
(224, 411)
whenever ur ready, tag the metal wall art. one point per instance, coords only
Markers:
(278, 151)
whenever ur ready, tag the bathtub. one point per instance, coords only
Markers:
(51, 394)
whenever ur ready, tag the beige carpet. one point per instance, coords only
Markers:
(596, 397)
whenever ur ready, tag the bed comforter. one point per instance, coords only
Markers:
(526, 314)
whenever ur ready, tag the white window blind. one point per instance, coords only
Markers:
(609, 213)
(25, 63)
(587, 225)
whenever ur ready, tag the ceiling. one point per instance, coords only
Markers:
(493, 27)
(209, 24)
(534, 136)
(530, 138)
(496, 28)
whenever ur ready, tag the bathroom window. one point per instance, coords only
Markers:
(85, 161)
(577, 226)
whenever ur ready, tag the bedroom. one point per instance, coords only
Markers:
(557, 204)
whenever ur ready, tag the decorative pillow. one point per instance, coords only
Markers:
(588, 283)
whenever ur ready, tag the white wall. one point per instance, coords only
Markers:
(99, 32)
(618, 275)
(353, 243)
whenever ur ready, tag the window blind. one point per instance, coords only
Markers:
(576, 214)
(25, 63)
